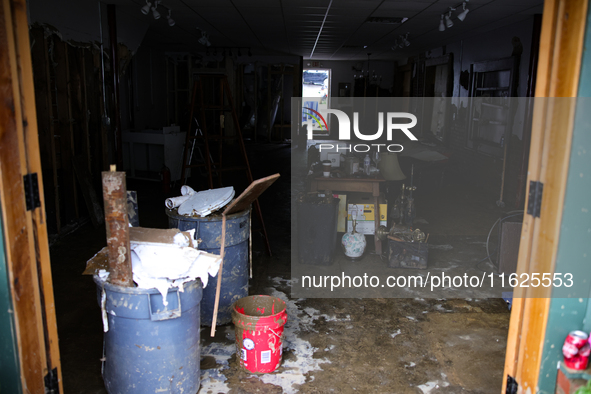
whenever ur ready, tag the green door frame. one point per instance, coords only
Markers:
(10, 377)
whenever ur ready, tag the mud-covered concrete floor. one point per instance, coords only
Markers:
(347, 345)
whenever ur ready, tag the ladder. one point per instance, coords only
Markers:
(208, 137)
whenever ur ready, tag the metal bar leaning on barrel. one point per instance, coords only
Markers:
(243, 201)
(117, 224)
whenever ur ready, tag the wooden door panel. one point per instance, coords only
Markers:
(25, 231)
(561, 47)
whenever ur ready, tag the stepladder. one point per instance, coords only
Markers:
(214, 145)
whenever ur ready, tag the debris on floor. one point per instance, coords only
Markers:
(298, 359)
(150, 248)
(430, 386)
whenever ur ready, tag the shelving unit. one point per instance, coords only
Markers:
(493, 84)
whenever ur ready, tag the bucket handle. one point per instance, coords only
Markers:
(165, 314)
(278, 336)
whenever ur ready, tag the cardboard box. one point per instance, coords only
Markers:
(363, 205)
(365, 227)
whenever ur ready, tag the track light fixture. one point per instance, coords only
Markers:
(404, 40)
(146, 8)
(155, 12)
(462, 15)
(448, 21)
(204, 40)
(171, 21)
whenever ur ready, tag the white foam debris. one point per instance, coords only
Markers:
(465, 337)
(170, 265)
(281, 281)
(396, 333)
(442, 309)
(184, 239)
(411, 318)
(410, 365)
(335, 318)
(103, 274)
(213, 380)
(426, 388)
(329, 348)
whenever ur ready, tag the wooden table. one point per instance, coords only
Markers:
(363, 185)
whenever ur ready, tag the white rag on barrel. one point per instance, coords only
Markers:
(165, 266)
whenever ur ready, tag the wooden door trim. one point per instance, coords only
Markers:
(561, 47)
(27, 251)
(38, 216)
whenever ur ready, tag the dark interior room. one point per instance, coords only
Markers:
(195, 200)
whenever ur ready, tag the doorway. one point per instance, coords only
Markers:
(316, 86)
(438, 84)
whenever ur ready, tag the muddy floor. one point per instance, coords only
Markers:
(376, 346)
(383, 345)
(340, 345)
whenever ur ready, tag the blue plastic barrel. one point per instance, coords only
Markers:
(149, 347)
(235, 270)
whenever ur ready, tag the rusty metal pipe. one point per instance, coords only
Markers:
(115, 197)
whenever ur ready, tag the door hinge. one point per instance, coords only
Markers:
(31, 191)
(534, 201)
(51, 384)
(512, 385)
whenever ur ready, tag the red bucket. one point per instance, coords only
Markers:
(259, 322)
